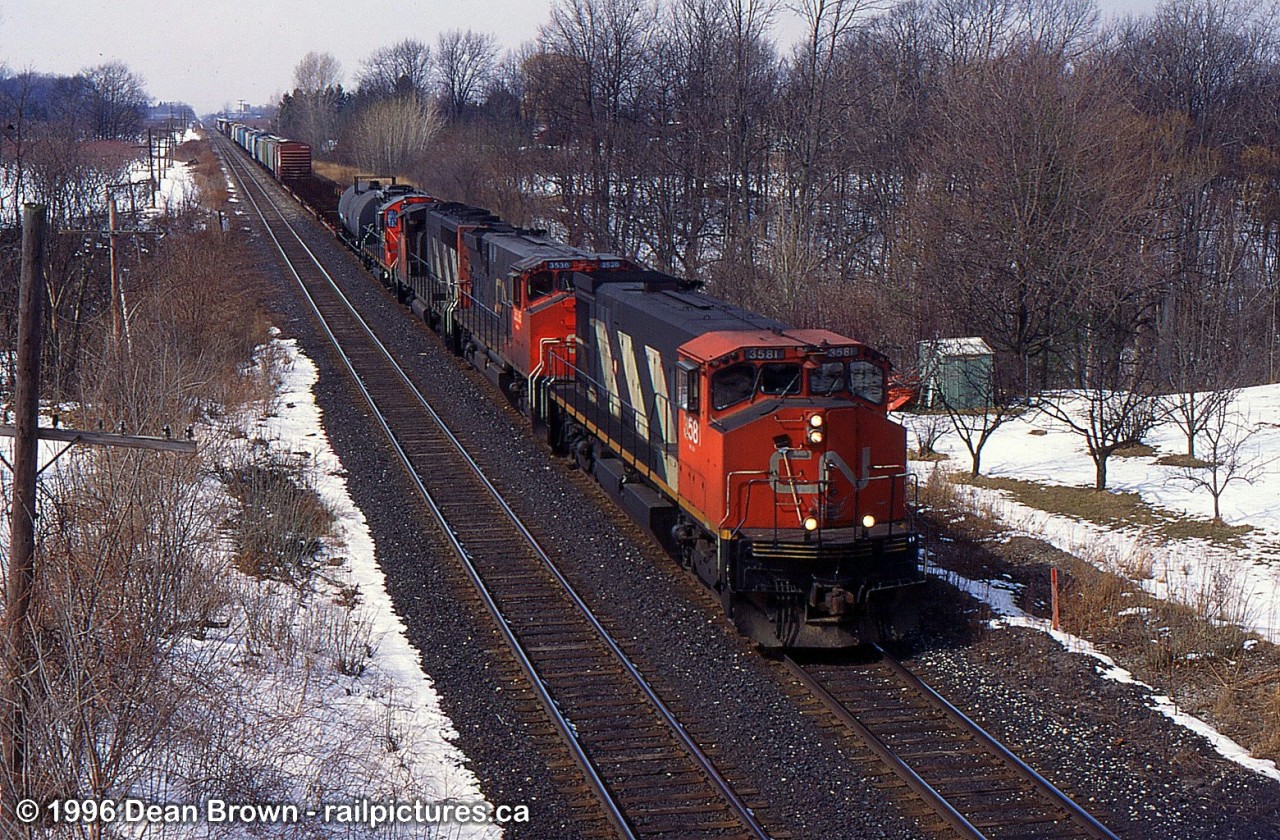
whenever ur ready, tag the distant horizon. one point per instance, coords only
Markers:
(238, 58)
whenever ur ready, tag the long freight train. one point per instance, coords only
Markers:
(761, 455)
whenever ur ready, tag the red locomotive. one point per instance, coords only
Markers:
(761, 455)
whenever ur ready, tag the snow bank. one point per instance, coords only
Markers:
(999, 595)
(1036, 448)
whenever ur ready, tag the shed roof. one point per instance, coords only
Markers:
(973, 346)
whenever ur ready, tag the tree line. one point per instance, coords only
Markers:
(1098, 202)
(64, 140)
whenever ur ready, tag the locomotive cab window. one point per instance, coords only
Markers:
(866, 380)
(732, 385)
(829, 378)
(541, 284)
(780, 379)
(688, 382)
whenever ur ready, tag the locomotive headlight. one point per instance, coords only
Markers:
(811, 523)
(815, 436)
(816, 421)
(868, 521)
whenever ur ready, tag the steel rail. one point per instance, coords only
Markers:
(900, 768)
(1077, 814)
(736, 804)
(562, 724)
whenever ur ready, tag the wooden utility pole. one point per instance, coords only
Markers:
(19, 650)
(113, 238)
(151, 168)
(19, 644)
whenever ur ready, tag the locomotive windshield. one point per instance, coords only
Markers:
(543, 283)
(830, 378)
(864, 380)
(732, 385)
(737, 383)
(780, 379)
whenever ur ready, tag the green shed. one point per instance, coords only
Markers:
(955, 373)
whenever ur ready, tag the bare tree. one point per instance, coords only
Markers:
(590, 88)
(401, 69)
(310, 112)
(16, 96)
(316, 73)
(1063, 28)
(117, 100)
(1031, 226)
(971, 32)
(391, 134)
(1117, 408)
(1226, 434)
(1000, 400)
(929, 428)
(464, 63)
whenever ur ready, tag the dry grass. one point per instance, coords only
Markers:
(1135, 450)
(1190, 645)
(1111, 509)
(281, 524)
(929, 457)
(206, 174)
(1182, 460)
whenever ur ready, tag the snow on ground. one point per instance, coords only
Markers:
(393, 675)
(175, 189)
(1243, 582)
(331, 738)
(1000, 597)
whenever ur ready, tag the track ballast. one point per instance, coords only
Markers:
(647, 774)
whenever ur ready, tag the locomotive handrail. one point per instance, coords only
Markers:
(728, 498)
(772, 479)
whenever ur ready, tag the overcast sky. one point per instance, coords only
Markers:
(217, 52)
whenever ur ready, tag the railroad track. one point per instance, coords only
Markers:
(648, 775)
(976, 786)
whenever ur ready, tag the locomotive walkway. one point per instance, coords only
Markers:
(647, 775)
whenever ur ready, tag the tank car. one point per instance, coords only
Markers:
(371, 213)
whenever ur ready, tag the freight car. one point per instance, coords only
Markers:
(287, 160)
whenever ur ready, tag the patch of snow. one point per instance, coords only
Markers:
(1010, 615)
(395, 663)
(1240, 586)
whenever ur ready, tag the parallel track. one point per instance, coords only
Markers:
(975, 785)
(649, 776)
